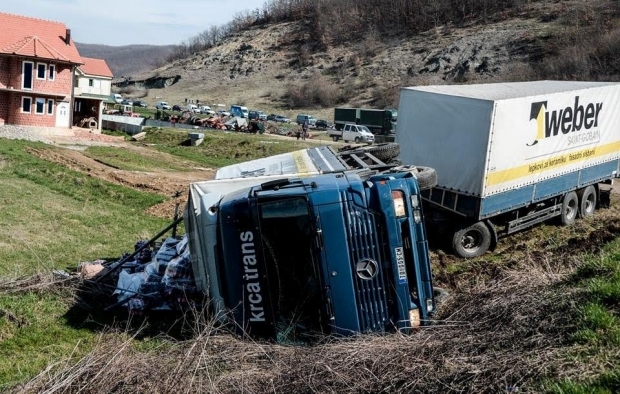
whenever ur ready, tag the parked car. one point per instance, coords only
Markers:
(262, 115)
(176, 107)
(282, 119)
(205, 109)
(162, 105)
(271, 117)
(127, 102)
(222, 112)
(140, 103)
(301, 118)
(322, 124)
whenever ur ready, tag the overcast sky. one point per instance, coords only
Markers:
(124, 22)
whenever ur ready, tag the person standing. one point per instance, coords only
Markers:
(304, 129)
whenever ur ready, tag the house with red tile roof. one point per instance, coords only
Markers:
(93, 86)
(38, 62)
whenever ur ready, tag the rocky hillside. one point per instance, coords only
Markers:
(274, 68)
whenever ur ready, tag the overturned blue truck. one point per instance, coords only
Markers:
(314, 242)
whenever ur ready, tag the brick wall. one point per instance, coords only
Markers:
(15, 115)
(11, 102)
(4, 108)
(61, 84)
(4, 72)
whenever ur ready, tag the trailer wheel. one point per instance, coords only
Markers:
(471, 241)
(384, 152)
(570, 208)
(587, 201)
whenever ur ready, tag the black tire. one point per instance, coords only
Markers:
(471, 241)
(441, 295)
(570, 209)
(335, 138)
(385, 152)
(426, 176)
(357, 140)
(587, 201)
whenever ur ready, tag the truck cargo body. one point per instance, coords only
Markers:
(302, 243)
(501, 149)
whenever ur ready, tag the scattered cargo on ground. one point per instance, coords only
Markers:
(510, 155)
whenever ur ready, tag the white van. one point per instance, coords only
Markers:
(117, 97)
(193, 108)
(205, 109)
(163, 105)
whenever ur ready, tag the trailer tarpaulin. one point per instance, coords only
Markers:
(490, 138)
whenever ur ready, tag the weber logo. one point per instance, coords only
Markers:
(250, 278)
(400, 262)
(576, 118)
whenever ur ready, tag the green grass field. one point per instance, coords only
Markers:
(52, 218)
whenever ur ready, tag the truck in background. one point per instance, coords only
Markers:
(378, 121)
(239, 111)
(510, 155)
(314, 241)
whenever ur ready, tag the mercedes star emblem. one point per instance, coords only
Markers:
(367, 269)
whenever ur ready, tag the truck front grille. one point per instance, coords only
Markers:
(364, 246)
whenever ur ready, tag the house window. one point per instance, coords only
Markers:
(26, 104)
(50, 106)
(27, 75)
(91, 82)
(52, 71)
(39, 106)
(41, 70)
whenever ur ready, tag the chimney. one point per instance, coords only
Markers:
(68, 37)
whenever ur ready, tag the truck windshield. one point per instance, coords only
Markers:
(288, 237)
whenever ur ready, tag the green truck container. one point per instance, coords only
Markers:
(379, 121)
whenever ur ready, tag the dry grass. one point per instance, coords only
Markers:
(508, 332)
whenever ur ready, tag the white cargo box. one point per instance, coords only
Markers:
(491, 138)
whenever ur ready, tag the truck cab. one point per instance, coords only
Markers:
(334, 253)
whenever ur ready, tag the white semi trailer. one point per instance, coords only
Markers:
(510, 155)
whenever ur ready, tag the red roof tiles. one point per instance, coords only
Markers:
(96, 67)
(31, 37)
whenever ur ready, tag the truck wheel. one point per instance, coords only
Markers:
(357, 140)
(426, 176)
(587, 201)
(471, 241)
(384, 152)
(570, 208)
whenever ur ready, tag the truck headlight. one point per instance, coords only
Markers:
(417, 216)
(398, 199)
(414, 318)
(415, 200)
